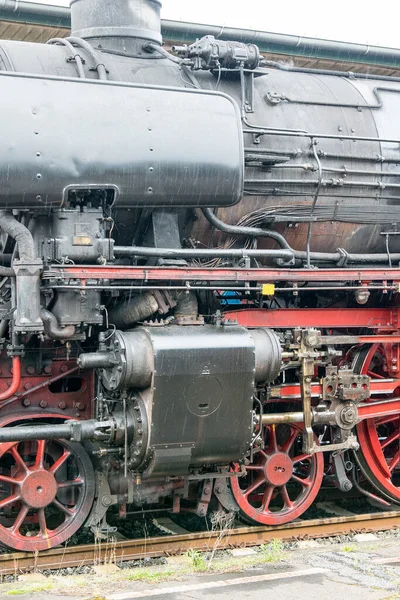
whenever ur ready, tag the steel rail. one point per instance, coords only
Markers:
(175, 544)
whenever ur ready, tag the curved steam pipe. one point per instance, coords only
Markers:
(52, 327)
(16, 379)
(247, 231)
(21, 235)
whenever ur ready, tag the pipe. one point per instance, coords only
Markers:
(132, 251)
(52, 327)
(16, 379)
(276, 419)
(75, 55)
(7, 272)
(152, 47)
(138, 309)
(180, 31)
(247, 231)
(47, 13)
(98, 64)
(21, 234)
(335, 257)
(71, 430)
(347, 74)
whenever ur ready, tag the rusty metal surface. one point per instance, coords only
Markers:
(169, 545)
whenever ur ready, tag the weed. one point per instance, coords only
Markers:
(272, 552)
(30, 589)
(222, 522)
(348, 549)
(150, 576)
(197, 559)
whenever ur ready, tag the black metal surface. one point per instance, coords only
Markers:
(130, 144)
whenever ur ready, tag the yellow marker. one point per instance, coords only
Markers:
(398, 287)
(268, 289)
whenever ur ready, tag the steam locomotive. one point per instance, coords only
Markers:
(199, 292)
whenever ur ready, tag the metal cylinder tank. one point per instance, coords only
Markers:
(105, 22)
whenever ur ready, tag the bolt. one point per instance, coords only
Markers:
(207, 491)
(62, 405)
(47, 370)
(64, 368)
(106, 500)
(30, 370)
(26, 402)
(28, 385)
(43, 404)
(80, 406)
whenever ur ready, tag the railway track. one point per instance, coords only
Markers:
(128, 550)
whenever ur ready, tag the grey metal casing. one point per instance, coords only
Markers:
(151, 145)
(203, 388)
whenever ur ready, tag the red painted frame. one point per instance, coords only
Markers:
(383, 319)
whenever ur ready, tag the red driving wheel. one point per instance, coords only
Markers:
(46, 493)
(379, 454)
(281, 481)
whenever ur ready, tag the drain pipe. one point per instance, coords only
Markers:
(27, 272)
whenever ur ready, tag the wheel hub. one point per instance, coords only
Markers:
(38, 489)
(278, 469)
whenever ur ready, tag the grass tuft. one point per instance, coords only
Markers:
(272, 552)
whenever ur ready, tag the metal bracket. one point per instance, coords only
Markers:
(350, 444)
(247, 86)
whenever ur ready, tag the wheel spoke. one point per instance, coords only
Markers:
(42, 521)
(267, 497)
(389, 419)
(374, 375)
(395, 461)
(289, 442)
(19, 521)
(254, 486)
(9, 500)
(301, 457)
(304, 482)
(272, 438)
(54, 468)
(10, 480)
(254, 468)
(67, 511)
(41, 445)
(391, 438)
(18, 458)
(285, 497)
(67, 484)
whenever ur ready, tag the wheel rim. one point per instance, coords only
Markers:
(282, 481)
(379, 439)
(46, 493)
